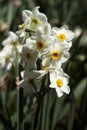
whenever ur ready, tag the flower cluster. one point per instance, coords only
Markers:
(42, 49)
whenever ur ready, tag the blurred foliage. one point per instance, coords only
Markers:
(68, 112)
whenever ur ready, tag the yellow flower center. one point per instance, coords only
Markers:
(55, 55)
(21, 26)
(40, 45)
(15, 43)
(29, 55)
(7, 57)
(59, 82)
(61, 37)
(35, 21)
(44, 67)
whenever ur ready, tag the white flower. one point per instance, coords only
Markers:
(29, 56)
(63, 34)
(37, 18)
(12, 39)
(32, 20)
(55, 56)
(31, 80)
(6, 57)
(59, 81)
(41, 44)
(43, 30)
(22, 30)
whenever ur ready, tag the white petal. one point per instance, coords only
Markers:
(59, 92)
(22, 83)
(70, 35)
(47, 28)
(6, 41)
(65, 57)
(55, 30)
(42, 17)
(65, 89)
(9, 66)
(36, 10)
(42, 73)
(46, 61)
(52, 76)
(13, 36)
(52, 85)
(26, 14)
(22, 74)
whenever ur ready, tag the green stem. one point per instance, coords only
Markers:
(20, 125)
(37, 111)
(42, 114)
(48, 104)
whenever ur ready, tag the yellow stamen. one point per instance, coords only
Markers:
(61, 37)
(44, 67)
(15, 43)
(29, 55)
(59, 82)
(35, 21)
(21, 26)
(40, 45)
(55, 54)
(7, 57)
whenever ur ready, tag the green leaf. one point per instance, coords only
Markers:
(5, 122)
(10, 14)
(42, 114)
(50, 100)
(58, 106)
(71, 116)
(80, 88)
(64, 111)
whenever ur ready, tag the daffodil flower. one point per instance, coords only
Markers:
(64, 35)
(31, 80)
(22, 29)
(32, 21)
(41, 44)
(43, 30)
(29, 56)
(6, 57)
(55, 56)
(12, 39)
(59, 81)
(37, 18)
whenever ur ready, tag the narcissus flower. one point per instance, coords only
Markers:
(41, 44)
(12, 42)
(59, 81)
(55, 56)
(32, 21)
(12, 39)
(29, 56)
(31, 80)
(6, 57)
(37, 18)
(63, 34)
